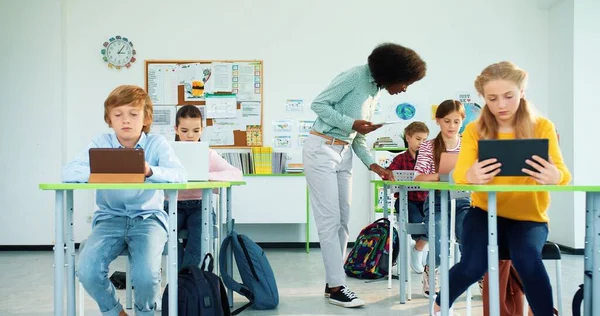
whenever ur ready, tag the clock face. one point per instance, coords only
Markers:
(118, 52)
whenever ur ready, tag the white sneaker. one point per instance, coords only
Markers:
(416, 261)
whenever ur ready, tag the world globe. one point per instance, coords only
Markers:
(405, 111)
(472, 111)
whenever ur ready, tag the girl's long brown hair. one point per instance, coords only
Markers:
(445, 108)
(524, 122)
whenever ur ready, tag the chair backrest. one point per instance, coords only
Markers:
(405, 175)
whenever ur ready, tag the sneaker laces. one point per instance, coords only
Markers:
(348, 293)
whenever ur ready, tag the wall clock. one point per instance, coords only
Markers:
(118, 52)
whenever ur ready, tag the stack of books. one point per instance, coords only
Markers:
(384, 142)
(295, 168)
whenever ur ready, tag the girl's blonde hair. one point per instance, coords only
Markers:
(523, 124)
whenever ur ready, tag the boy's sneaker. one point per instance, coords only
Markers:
(345, 297)
(327, 290)
(416, 261)
(425, 282)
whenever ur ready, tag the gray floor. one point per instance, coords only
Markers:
(27, 285)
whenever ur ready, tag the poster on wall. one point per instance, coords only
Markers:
(294, 105)
(405, 111)
(472, 109)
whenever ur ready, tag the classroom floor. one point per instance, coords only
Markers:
(27, 285)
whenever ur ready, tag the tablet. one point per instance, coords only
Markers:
(512, 153)
(117, 165)
(447, 162)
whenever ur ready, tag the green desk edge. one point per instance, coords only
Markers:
(138, 186)
(275, 175)
(493, 187)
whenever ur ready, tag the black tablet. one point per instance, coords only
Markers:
(512, 153)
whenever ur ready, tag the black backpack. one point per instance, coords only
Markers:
(199, 292)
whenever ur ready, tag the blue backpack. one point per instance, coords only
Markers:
(259, 285)
(200, 292)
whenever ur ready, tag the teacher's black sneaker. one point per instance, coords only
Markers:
(345, 297)
(327, 290)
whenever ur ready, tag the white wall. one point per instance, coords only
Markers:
(303, 45)
(31, 123)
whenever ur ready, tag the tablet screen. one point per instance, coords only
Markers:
(512, 153)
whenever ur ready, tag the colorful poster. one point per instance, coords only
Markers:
(294, 105)
(282, 126)
(304, 126)
(282, 141)
(405, 111)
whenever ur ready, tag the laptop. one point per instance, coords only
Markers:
(512, 153)
(447, 163)
(117, 165)
(194, 158)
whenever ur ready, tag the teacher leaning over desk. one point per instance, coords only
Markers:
(343, 111)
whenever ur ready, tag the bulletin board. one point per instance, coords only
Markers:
(212, 86)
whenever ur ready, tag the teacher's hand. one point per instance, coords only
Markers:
(547, 173)
(482, 172)
(385, 174)
(364, 127)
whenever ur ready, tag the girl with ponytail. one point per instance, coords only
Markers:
(449, 116)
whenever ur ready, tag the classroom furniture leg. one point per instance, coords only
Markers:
(494, 288)
(230, 252)
(307, 221)
(444, 265)
(390, 235)
(172, 253)
(70, 257)
(59, 253)
(431, 238)
(402, 261)
(591, 277)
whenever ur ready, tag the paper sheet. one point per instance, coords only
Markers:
(221, 106)
(195, 79)
(162, 83)
(246, 82)
(221, 77)
(294, 105)
(220, 133)
(282, 141)
(304, 126)
(163, 121)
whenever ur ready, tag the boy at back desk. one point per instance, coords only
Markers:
(132, 219)
(415, 133)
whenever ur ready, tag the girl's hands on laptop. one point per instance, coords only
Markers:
(547, 171)
(147, 170)
(482, 172)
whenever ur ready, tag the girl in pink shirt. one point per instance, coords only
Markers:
(188, 128)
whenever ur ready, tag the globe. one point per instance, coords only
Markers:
(405, 111)
(472, 111)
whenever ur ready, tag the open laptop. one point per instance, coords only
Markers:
(447, 163)
(117, 165)
(194, 158)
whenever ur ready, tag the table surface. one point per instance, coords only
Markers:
(140, 186)
(433, 185)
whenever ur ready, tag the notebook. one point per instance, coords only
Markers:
(117, 165)
(194, 158)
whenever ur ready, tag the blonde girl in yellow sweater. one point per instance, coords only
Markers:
(522, 218)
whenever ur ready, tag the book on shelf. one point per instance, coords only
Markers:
(384, 142)
(261, 160)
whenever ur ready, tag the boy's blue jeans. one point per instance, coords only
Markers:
(145, 240)
(462, 208)
(415, 215)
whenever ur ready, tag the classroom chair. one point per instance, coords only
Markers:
(551, 251)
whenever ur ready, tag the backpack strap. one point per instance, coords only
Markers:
(228, 279)
(210, 263)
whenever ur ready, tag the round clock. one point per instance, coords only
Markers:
(118, 52)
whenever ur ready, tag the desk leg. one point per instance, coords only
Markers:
(588, 253)
(385, 202)
(172, 252)
(59, 253)
(390, 241)
(407, 270)
(206, 206)
(70, 257)
(307, 233)
(432, 237)
(230, 251)
(402, 236)
(493, 256)
(593, 215)
(444, 304)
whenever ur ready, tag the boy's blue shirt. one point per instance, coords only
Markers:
(165, 166)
